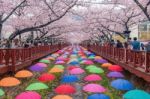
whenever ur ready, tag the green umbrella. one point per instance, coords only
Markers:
(96, 70)
(91, 67)
(37, 86)
(59, 66)
(1, 92)
(44, 61)
(91, 57)
(136, 94)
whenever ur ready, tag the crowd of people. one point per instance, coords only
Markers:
(131, 44)
(16, 43)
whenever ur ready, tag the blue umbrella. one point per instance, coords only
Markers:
(136, 94)
(74, 63)
(122, 84)
(70, 79)
(98, 96)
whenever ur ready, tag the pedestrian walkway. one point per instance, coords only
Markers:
(71, 73)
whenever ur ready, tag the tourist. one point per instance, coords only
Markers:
(147, 47)
(112, 43)
(142, 47)
(135, 44)
(119, 44)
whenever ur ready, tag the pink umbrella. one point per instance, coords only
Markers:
(28, 95)
(76, 71)
(41, 64)
(88, 62)
(93, 77)
(95, 88)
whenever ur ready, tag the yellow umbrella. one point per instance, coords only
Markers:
(62, 97)
(106, 65)
(9, 82)
(56, 70)
(23, 74)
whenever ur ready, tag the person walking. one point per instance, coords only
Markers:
(147, 47)
(135, 44)
(119, 44)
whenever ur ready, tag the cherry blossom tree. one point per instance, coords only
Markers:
(7, 9)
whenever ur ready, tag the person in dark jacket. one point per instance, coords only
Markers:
(119, 44)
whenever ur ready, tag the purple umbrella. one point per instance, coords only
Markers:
(36, 68)
(101, 61)
(115, 75)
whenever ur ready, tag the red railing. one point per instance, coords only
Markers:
(137, 59)
(14, 59)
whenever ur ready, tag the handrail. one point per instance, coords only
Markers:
(11, 58)
(136, 59)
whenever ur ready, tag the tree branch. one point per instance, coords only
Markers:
(13, 11)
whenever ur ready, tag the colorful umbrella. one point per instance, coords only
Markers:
(36, 68)
(106, 65)
(96, 70)
(70, 79)
(91, 57)
(59, 62)
(1, 92)
(41, 64)
(90, 67)
(72, 67)
(94, 88)
(28, 95)
(45, 61)
(115, 68)
(62, 97)
(76, 71)
(122, 84)
(59, 66)
(88, 62)
(136, 94)
(98, 57)
(98, 96)
(74, 63)
(46, 77)
(56, 70)
(37, 86)
(23, 74)
(65, 89)
(9, 82)
(93, 77)
(101, 61)
(115, 75)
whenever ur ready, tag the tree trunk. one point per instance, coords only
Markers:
(1, 31)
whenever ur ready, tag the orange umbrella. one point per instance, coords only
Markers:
(23, 74)
(9, 82)
(56, 70)
(106, 65)
(62, 97)
(98, 57)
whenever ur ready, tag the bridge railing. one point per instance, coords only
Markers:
(14, 59)
(136, 59)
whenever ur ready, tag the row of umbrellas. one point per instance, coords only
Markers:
(76, 61)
